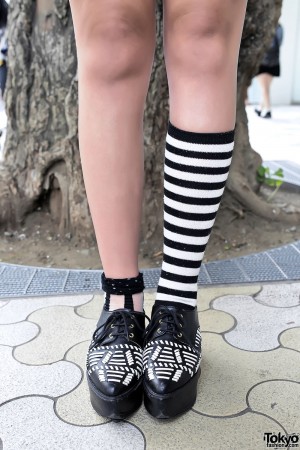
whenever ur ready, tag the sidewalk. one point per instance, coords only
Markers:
(277, 140)
(249, 383)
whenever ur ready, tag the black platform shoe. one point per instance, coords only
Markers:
(115, 360)
(172, 355)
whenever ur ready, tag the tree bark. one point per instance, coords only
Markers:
(155, 128)
(242, 189)
(41, 158)
(41, 163)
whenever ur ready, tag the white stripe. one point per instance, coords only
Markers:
(197, 162)
(187, 176)
(193, 358)
(188, 363)
(200, 147)
(174, 298)
(163, 372)
(189, 256)
(95, 357)
(164, 369)
(188, 271)
(163, 359)
(185, 207)
(117, 363)
(201, 240)
(191, 287)
(199, 193)
(190, 224)
(116, 374)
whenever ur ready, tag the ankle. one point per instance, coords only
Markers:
(118, 302)
(123, 292)
(138, 302)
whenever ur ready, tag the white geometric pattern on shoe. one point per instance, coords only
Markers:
(164, 359)
(116, 363)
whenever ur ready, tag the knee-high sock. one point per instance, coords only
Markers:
(195, 173)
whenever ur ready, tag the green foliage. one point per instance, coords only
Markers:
(265, 176)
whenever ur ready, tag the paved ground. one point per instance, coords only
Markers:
(250, 382)
(278, 140)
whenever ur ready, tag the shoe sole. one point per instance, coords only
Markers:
(171, 405)
(117, 407)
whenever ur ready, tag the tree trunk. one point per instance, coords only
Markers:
(242, 187)
(155, 128)
(41, 163)
(41, 158)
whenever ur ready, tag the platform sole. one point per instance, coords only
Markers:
(117, 407)
(171, 405)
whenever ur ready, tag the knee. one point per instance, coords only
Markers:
(198, 44)
(114, 49)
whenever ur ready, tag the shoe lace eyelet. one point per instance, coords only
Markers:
(181, 325)
(181, 315)
(179, 335)
(160, 321)
(110, 335)
(131, 335)
(112, 326)
(131, 325)
(159, 330)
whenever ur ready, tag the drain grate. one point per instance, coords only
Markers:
(277, 264)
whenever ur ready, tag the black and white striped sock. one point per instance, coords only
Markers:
(195, 173)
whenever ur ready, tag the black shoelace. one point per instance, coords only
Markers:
(169, 317)
(116, 325)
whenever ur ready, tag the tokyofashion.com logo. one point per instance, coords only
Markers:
(279, 440)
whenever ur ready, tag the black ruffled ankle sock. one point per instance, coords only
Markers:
(122, 286)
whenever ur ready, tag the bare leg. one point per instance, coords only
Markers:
(115, 46)
(202, 39)
(265, 80)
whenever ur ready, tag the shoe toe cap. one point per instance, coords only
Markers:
(162, 385)
(112, 386)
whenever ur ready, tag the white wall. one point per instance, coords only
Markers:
(296, 72)
(285, 89)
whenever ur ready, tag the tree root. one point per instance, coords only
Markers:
(259, 207)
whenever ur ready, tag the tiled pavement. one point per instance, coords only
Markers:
(250, 381)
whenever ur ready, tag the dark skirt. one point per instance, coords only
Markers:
(3, 74)
(274, 70)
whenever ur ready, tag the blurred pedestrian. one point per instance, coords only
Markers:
(269, 68)
(3, 45)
